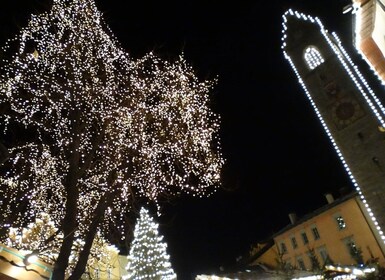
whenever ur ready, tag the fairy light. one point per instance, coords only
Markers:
(358, 26)
(148, 258)
(313, 57)
(95, 111)
(33, 239)
(360, 83)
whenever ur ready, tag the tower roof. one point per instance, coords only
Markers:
(287, 18)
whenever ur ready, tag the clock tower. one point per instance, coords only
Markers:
(349, 110)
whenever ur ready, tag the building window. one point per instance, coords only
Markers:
(304, 238)
(314, 261)
(352, 246)
(313, 58)
(354, 251)
(324, 255)
(315, 233)
(301, 263)
(283, 248)
(294, 242)
(340, 222)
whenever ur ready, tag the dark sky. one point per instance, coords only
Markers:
(279, 159)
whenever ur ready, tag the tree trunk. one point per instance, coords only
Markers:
(69, 223)
(89, 239)
(62, 260)
(69, 226)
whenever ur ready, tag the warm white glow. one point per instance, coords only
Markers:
(313, 58)
(33, 239)
(115, 125)
(312, 277)
(148, 258)
(32, 259)
(213, 277)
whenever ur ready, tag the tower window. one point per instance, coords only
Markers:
(313, 58)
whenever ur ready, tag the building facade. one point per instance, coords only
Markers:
(340, 233)
(369, 31)
(352, 115)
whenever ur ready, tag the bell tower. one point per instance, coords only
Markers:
(350, 112)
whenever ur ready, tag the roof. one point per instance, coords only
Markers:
(317, 212)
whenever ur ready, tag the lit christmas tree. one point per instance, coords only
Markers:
(88, 128)
(148, 258)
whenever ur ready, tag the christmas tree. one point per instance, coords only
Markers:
(148, 258)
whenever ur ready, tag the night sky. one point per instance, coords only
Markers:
(278, 158)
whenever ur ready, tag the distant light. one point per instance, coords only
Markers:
(347, 9)
(350, 8)
(30, 258)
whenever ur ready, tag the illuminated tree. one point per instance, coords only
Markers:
(88, 129)
(148, 258)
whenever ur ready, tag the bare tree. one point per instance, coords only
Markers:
(88, 128)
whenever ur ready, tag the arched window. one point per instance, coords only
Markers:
(313, 57)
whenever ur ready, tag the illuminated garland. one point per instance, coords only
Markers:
(361, 84)
(148, 258)
(122, 126)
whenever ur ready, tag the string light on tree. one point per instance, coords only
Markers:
(89, 128)
(148, 258)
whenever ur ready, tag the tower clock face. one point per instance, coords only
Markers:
(346, 111)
